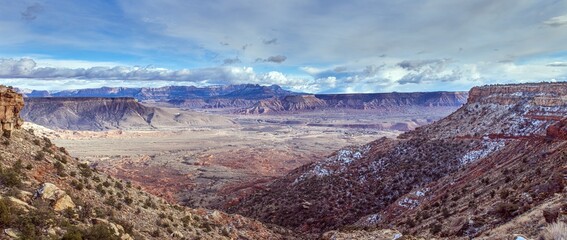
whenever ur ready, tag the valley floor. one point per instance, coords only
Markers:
(203, 166)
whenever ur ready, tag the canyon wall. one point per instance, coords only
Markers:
(540, 94)
(358, 101)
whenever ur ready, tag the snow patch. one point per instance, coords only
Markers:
(488, 147)
(335, 164)
(408, 203)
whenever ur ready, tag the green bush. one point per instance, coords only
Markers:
(40, 156)
(119, 185)
(100, 189)
(10, 177)
(6, 215)
(435, 228)
(505, 210)
(100, 231)
(73, 233)
(86, 171)
(60, 169)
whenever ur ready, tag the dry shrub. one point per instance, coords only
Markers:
(555, 231)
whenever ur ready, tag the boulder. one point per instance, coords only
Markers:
(60, 200)
(12, 233)
(63, 203)
(48, 191)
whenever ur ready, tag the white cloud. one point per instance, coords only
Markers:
(557, 21)
(405, 75)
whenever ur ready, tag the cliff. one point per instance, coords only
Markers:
(111, 113)
(288, 103)
(496, 159)
(11, 103)
(376, 101)
(513, 111)
(541, 94)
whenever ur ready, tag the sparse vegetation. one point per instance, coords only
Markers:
(555, 231)
(11, 177)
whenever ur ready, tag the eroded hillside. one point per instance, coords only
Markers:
(98, 114)
(494, 160)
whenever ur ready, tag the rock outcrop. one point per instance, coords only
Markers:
(11, 103)
(59, 199)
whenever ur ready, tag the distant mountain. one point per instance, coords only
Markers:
(172, 93)
(111, 113)
(357, 101)
(257, 99)
(487, 171)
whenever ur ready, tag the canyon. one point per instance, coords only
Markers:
(203, 156)
(487, 164)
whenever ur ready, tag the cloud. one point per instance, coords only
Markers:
(26, 73)
(418, 64)
(32, 12)
(11, 68)
(271, 41)
(401, 75)
(274, 59)
(556, 21)
(230, 61)
(557, 64)
(370, 42)
(27, 68)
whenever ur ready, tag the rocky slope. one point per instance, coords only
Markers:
(47, 194)
(111, 113)
(497, 159)
(381, 101)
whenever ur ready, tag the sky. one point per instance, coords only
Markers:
(315, 46)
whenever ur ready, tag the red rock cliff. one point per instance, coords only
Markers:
(540, 94)
(10, 105)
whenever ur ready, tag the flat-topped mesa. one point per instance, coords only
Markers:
(539, 94)
(11, 103)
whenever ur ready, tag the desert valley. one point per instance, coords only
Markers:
(362, 166)
(283, 120)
